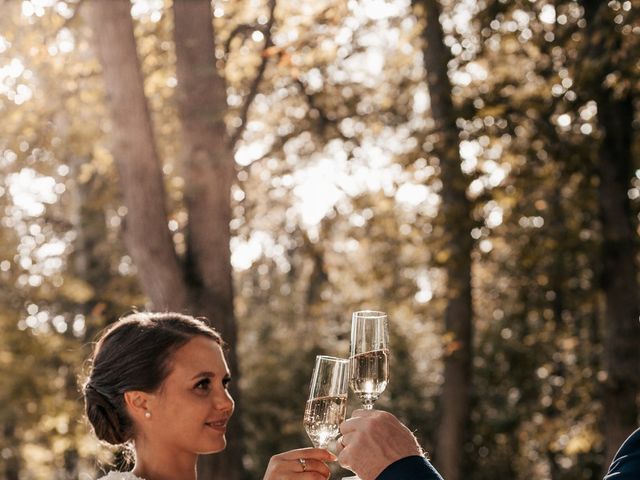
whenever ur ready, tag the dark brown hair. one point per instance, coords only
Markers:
(133, 354)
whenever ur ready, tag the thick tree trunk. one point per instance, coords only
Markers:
(146, 233)
(619, 252)
(455, 399)
(207, 160)
(621, 331)
(209, 172)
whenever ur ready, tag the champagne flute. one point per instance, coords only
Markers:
(326, 408)
(369, 356)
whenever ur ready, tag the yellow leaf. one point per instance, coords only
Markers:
(442, 256)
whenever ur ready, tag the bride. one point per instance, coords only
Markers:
(159, 381)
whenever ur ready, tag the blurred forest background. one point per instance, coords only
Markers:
(469, 166)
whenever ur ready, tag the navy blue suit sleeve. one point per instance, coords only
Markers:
(410, 468)
(626, 463)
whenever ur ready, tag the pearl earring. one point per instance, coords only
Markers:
(147, 414)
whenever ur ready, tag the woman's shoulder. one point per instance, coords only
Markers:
(120, 476)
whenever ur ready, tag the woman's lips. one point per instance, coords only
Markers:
(220, 425)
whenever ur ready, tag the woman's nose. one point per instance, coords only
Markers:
(224, 402)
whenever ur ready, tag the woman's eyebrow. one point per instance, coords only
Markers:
(204, 374)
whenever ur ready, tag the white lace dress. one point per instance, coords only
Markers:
(120, 476)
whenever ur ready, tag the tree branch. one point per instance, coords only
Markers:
(255, 85)
(322, 115)
(243, 30)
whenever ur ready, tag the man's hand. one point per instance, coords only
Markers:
(372, 440)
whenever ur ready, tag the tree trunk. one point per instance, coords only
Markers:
(621, 331)
(456, 391)
(619, 251)
(209, 172)
(146, 234)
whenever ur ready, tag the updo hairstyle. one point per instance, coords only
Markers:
(133, 354)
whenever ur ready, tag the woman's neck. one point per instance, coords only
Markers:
(154, 464)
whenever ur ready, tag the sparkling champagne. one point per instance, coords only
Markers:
(322, 419)
(369, 375)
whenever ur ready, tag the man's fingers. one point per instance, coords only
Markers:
(364, 413)
(352, 424)
(361, 418)
(344, 458)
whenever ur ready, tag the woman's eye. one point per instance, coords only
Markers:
(226, 381)
(203, 384)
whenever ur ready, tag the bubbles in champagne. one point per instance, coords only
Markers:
(322, 419)
(370, 375)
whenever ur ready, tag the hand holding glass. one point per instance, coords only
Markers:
(369, 358)
(327, 405)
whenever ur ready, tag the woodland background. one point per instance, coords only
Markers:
(471, 167)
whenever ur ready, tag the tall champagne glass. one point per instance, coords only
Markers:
(327, 405)
(369, 356)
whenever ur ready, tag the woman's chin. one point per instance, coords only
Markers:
(217, 448)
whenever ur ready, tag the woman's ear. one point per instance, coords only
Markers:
(137, 403)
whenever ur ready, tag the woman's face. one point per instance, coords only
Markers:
(191, 410)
